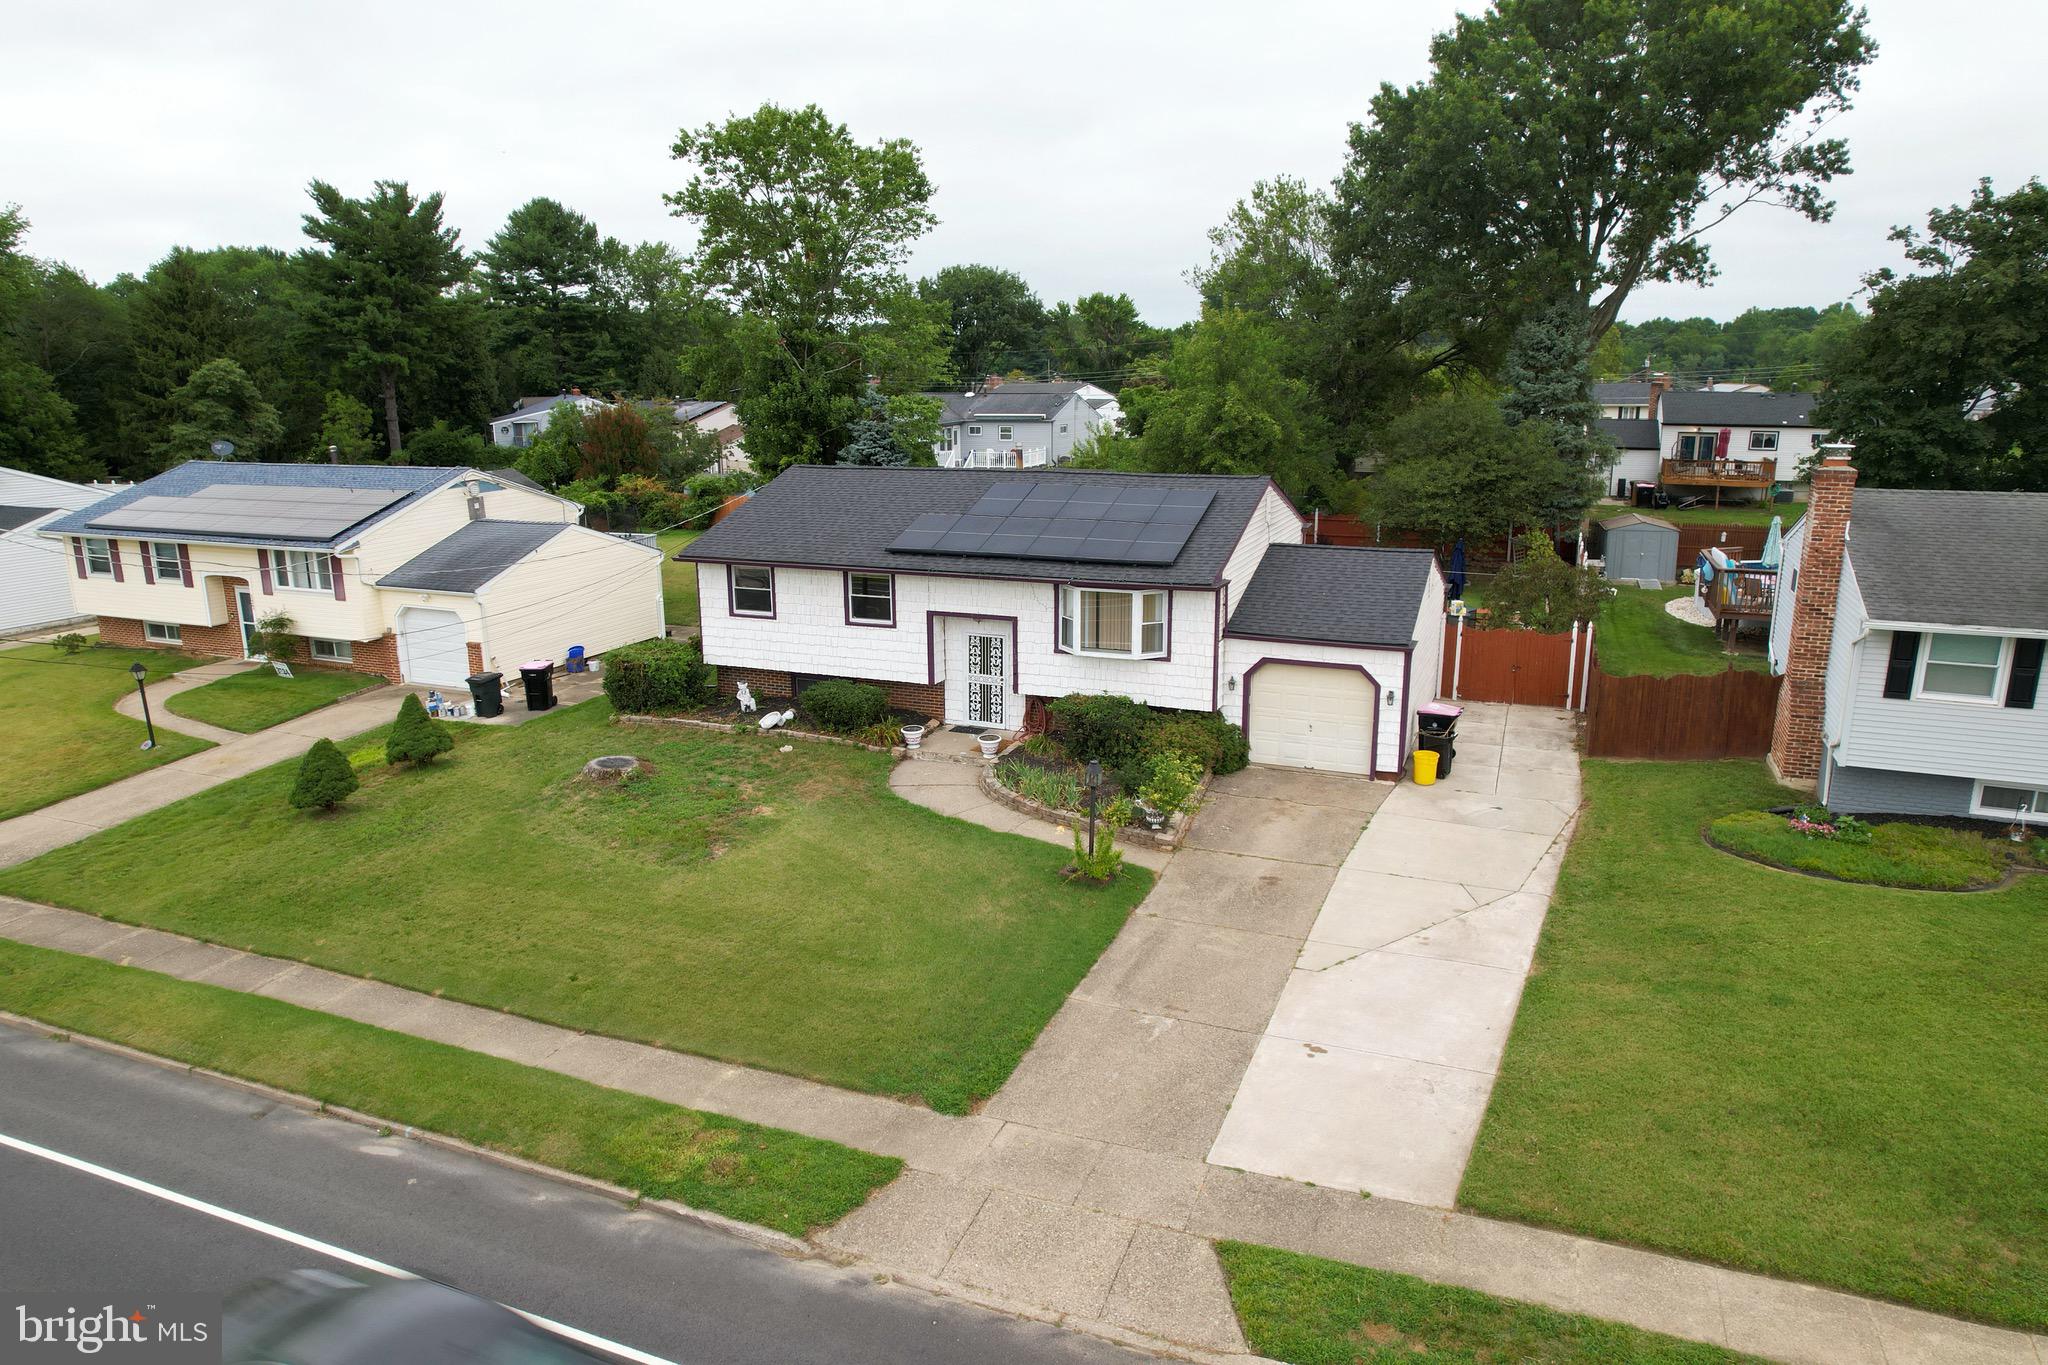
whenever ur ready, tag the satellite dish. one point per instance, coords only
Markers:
(222, 448)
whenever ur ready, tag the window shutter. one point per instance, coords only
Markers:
(263, 567)
(334, 572)
(114, 558)
(148, 553)
(2026, 674)
(1898, 674)
(185, 563)
(78, 555)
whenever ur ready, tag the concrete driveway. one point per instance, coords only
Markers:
(1374, 1071)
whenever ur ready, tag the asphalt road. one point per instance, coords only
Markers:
(658, 1284)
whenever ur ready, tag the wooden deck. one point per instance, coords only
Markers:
(1730, 473)
(1740, 596)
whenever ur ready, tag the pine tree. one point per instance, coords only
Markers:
(325, 778)
(1549, 382)
(416, 737)
(871, 437)
(218, 403)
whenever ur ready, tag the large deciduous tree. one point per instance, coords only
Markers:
(995, 323)
(1455, 467)
(1946, 384)
(1099, 336)
(1581, 148)
(802, 234)
(381, 285)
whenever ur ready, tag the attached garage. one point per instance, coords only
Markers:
(433, 647)
(1328, 651)
(1311, 715)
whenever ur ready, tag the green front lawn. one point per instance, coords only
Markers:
(1311, 1311)
(782, 910)
(762, 1175)
(1806, 1078)
(1637, 637)
(59, 729)
(678, 581)
(259, 698)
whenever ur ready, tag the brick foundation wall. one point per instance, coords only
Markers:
(928, 699)
(476, 658)
(378, 658)
(1802, 702)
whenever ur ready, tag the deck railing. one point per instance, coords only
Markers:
(1738, 594)
(1723, 473)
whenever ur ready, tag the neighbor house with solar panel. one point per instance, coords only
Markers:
(978, 595)
(419, 575)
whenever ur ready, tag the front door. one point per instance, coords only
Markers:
(988, 678)
(246, 609)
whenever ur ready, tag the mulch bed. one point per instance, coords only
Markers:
(727, 710)
(1111, 788)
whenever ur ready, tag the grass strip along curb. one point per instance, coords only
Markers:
(1310, 1311)
(767, 1176)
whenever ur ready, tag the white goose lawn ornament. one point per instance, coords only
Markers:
(775, 718)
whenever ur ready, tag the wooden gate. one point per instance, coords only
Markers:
(1519, 666)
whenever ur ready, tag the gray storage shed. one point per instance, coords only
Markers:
(1639, 547)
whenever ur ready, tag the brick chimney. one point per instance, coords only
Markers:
(1660, 384)
(1796, 732)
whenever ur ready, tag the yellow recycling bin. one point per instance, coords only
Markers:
(1425, 767)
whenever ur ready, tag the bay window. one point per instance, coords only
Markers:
(1113, 621)
(306, 570)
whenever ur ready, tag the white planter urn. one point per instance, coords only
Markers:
(989, 744)
(913, 736)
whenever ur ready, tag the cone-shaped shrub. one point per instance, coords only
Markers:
(416, 736)
(325, 778)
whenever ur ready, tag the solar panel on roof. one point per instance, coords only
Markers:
(1065, 519)
(253, 510)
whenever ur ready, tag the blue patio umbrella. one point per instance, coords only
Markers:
(1774, 543)
(1457, 573)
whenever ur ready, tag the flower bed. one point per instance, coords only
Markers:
(1169, 837)
(1898, 854)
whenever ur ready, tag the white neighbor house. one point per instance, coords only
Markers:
(1020, 424)
(1912, 626)
(35, 577)
(518, 427)
(412, 574)
(1188, 592)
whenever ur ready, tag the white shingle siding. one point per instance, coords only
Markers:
(809, 634)
(1271, 521)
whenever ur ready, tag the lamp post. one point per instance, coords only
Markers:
(138, 672)
(1094, 786)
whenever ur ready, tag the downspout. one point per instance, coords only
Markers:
(1407, 709)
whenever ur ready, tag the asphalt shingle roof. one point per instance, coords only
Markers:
(1622, 392)
(1631, 433)
(1704, 407)
(513, 476)
(844, 517)
(194, 476)
(472, 556)
(11, 517)
(691, 409)
(1951, 559)
(1009, 402)
(1333, 594)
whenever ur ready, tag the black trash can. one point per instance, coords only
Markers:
(487, 690)
(539, 678)
(1444, 747)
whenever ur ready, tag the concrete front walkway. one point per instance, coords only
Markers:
(130, 705)
(1377, 1064)
(951, 785)
(80, 817)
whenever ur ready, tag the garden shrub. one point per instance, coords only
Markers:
(325, 778)
(1895, 854)
(1059, 788)
(415, 736)
(1170, 780)
(1204, 736)
(842, 705)
(654, 676)
(1108, 729)
(71, 642)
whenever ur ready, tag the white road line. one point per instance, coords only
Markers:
(298, 1239)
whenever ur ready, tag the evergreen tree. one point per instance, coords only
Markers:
(416, 737)
(871, 437)
(325, 778)
(344, 430)
(218, 403)
(1549, 387)
(37, 427)
(540, 274)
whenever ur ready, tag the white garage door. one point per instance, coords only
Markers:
(432, 647)
(1305, 717)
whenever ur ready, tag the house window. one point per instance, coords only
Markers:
(165, 558)
(2027, 805)
(753, 591)
(1004, 433)
(871, 599)
(334, 651)
(1063, 428)
(1965, 667)
(162, 633)
(1763, 440)
(1697, 445)
(949, 437)
(974, 431)
(99, 557)
(306, 570)
(1108, 621)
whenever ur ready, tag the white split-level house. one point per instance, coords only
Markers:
(1910, 628)
(35, 591)
(424, 575)
(1020, 424)
(1744, 442)
(977, 595)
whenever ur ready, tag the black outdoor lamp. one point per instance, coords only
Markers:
(138, 672)
(1094, 786)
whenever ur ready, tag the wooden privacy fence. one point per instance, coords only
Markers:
(1719, 715)
(1513, 665)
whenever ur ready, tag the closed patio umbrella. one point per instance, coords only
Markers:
(1774, 543)
(1457, 573)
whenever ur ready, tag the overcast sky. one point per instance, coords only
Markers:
(1087, 146)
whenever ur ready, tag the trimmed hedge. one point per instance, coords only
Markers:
(1124, 735)
(842, 705)
(654, 676)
